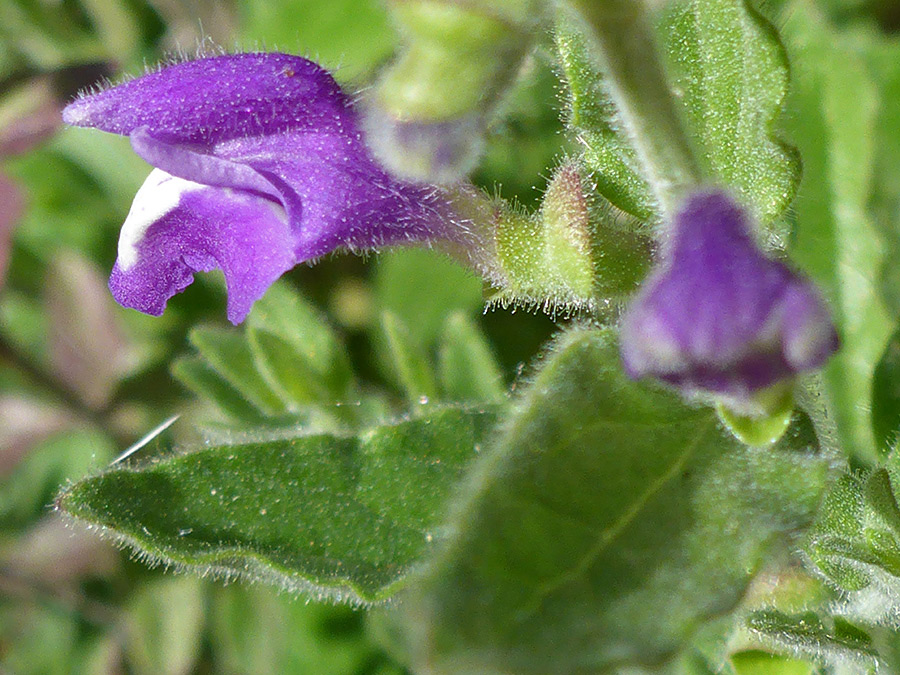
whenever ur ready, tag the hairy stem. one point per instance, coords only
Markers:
(637, 83)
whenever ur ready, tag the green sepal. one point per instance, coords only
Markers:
(572, 253)
(777, 405)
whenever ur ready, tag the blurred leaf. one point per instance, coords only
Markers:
(317, 513)
(57, 553)
(13, 205)
(163, 627)
(731, 72)
(296, 351)
(349, 37)
(524, 135)
(23, 323)
(422, 287)
(764, 663)
(24, 423)
(834, 111)
(36, 639)
(579, 547)
(229, 354)
(115, 25)
(886, 395)
(883, 58)
(468, 369)
(28, 491)
(195, 373)
(88, 350)
(67, 210)
(108, 160)
(257, 630)
(212, 22)
(407, 361)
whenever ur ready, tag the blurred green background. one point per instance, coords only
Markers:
(81, 379)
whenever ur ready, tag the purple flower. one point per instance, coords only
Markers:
(719, 317)
(260, 165)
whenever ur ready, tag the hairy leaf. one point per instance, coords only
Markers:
(833, 121)
(732, 72)
(607, 523)
(808, 635)
(343, 516)
(729, 72)
(593, 120)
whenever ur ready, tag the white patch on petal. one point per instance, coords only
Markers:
(159, 194)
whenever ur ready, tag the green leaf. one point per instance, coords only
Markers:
(809, 635)
(593, 120)
(833, 121)
(468, 369)
(886, 395)
(756, 662)
(202, 379)
(591, 533)
(732, 71)
(258, 630)
(349, 37)
(229, 354)
(855, 541)
(729, 72)
(421, 287)
(163, 627)
(296, 351)
(882, 54)
(407, 360)
(345, 516)
(29, 488)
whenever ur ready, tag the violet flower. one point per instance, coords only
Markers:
(718, 316)
(260, 165)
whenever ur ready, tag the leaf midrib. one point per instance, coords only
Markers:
(612, 532)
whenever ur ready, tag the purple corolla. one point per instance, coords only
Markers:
(718, 316)
(260, 165)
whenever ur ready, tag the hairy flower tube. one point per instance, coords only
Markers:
(259, 165)
(719, 317)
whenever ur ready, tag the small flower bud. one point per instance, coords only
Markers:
(425, 118)
(719, 317)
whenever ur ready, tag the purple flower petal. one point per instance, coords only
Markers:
(212, 100)
(718, 316)
(258, 132)
(176, 228)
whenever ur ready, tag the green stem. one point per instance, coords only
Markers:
(637, 83)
